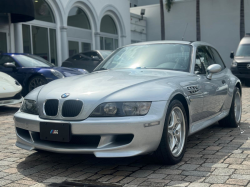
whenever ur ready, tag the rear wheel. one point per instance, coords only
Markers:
(173, 143)
(234, 116)
(36, 82)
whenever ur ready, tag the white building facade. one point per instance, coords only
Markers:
(63, 28)
(219, 23)
(136, 3)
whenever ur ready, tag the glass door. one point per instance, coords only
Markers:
(73, 48)
(76, 47)
(3, 43)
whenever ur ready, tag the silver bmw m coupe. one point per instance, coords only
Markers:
(145, 98)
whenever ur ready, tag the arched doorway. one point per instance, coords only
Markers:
(39, 36)
(109, 34)
(79, 31)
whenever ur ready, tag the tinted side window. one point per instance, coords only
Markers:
(199, 66)
(204, 56)
(217, 58)
(92, 55)
(5, 59)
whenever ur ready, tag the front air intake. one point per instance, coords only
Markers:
(51, 107)
(71, 108)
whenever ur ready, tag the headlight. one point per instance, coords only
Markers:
(29, 106)
(17, 83)
(57, 74)
(122, 109)
(234, 64)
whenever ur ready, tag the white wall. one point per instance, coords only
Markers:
(143, 2)
(220, 23)
(153, 21)
(147, 2)
(138, 28)
(133, 3)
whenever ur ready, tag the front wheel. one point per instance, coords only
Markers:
(234, 116)
(174, 138)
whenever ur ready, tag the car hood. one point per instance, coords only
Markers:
(242, 59)
(110, 86)
(8, 87)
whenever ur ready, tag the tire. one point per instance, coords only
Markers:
(36, 82)
(233, 120)
(164, 154)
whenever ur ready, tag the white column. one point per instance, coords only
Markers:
(97, 40)
(122, 42)
(18, 38)
(64, 43)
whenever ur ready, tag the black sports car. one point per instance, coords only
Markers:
(86, 60)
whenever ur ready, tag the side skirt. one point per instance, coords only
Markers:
(199, 125)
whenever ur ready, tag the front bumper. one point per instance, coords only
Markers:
(137, 137)
(10, 101)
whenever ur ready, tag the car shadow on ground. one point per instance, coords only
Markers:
(10, 109)
(207, 151)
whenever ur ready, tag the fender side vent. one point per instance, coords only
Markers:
(193, 89)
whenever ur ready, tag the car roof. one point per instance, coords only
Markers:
(193, 43)
(245, 40)
(9, 54)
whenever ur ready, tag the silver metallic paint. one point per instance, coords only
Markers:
(209, 103)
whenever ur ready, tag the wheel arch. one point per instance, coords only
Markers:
(183, 100)
(238, 85)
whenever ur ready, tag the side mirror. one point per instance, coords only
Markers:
(9, 65)
(215, 68)
(232, 55)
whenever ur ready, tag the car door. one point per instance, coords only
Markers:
(214, 90)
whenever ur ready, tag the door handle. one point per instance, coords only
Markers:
(223, 82)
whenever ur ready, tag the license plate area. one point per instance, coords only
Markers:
(58, 132)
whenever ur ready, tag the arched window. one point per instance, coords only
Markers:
(39, 35)
(78, 18)
(108, 25)
(43, 11)
(109, 34)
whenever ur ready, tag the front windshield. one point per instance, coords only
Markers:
(243, 50)
(30, 61)
(105, 54)
(155, 56)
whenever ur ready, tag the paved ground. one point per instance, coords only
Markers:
(215, 157)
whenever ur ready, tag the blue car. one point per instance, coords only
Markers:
(32, 71)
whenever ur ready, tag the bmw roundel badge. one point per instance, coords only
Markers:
(65, 95)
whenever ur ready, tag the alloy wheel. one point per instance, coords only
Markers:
(176, 131)
(237, 106)
(36, 82)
